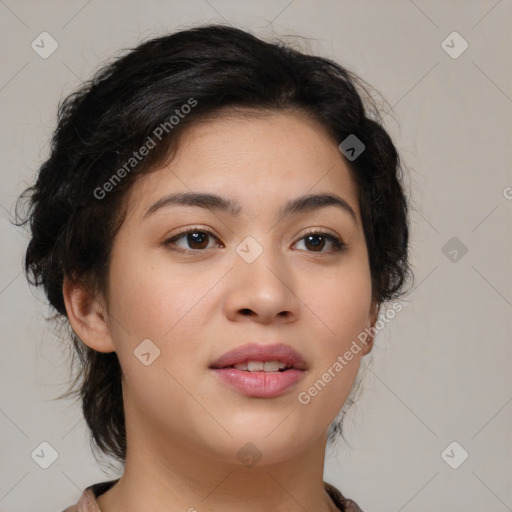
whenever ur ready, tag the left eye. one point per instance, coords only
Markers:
(317, 241)
(198, 240)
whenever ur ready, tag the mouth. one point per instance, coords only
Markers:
(261, 358)
(261, 371)
(259, 366)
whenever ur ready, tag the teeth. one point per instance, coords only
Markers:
(271, 366)
(255, 366)
(260, 366)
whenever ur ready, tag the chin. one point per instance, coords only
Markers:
(251, 446)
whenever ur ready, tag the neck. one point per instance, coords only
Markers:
(168, 473)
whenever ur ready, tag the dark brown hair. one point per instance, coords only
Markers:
(75, 207)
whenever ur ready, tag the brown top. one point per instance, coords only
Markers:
(87, 502)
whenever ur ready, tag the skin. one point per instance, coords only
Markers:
(184, 425)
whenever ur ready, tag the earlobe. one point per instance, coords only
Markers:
(370, 331)
(87, 316)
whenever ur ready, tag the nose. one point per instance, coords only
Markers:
(261, 291)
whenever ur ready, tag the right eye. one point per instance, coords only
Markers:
(196, 238)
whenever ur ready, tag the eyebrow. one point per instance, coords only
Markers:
(215, 202)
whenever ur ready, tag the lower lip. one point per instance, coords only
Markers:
(260, 384)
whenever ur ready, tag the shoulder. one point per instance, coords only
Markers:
(344, 504)
(87, 502)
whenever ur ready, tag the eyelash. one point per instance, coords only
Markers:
(338, 244)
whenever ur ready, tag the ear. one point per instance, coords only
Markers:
(372, 320)
(87, 315)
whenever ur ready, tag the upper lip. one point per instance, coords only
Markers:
(256, 352)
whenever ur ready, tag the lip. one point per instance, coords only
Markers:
(261, 384)
(257, 352)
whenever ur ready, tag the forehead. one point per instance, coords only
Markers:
(261, 159)
(285, 141)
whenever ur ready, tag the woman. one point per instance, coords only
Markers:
(220, 221)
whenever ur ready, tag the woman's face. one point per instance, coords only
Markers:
(251, 277)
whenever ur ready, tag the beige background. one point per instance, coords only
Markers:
(440, 370)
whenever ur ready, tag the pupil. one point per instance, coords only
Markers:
(197, 238)
(316, 245)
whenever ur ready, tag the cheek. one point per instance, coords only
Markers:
(148, 299)
(341, 307)
(153, 312)
(341, 303)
